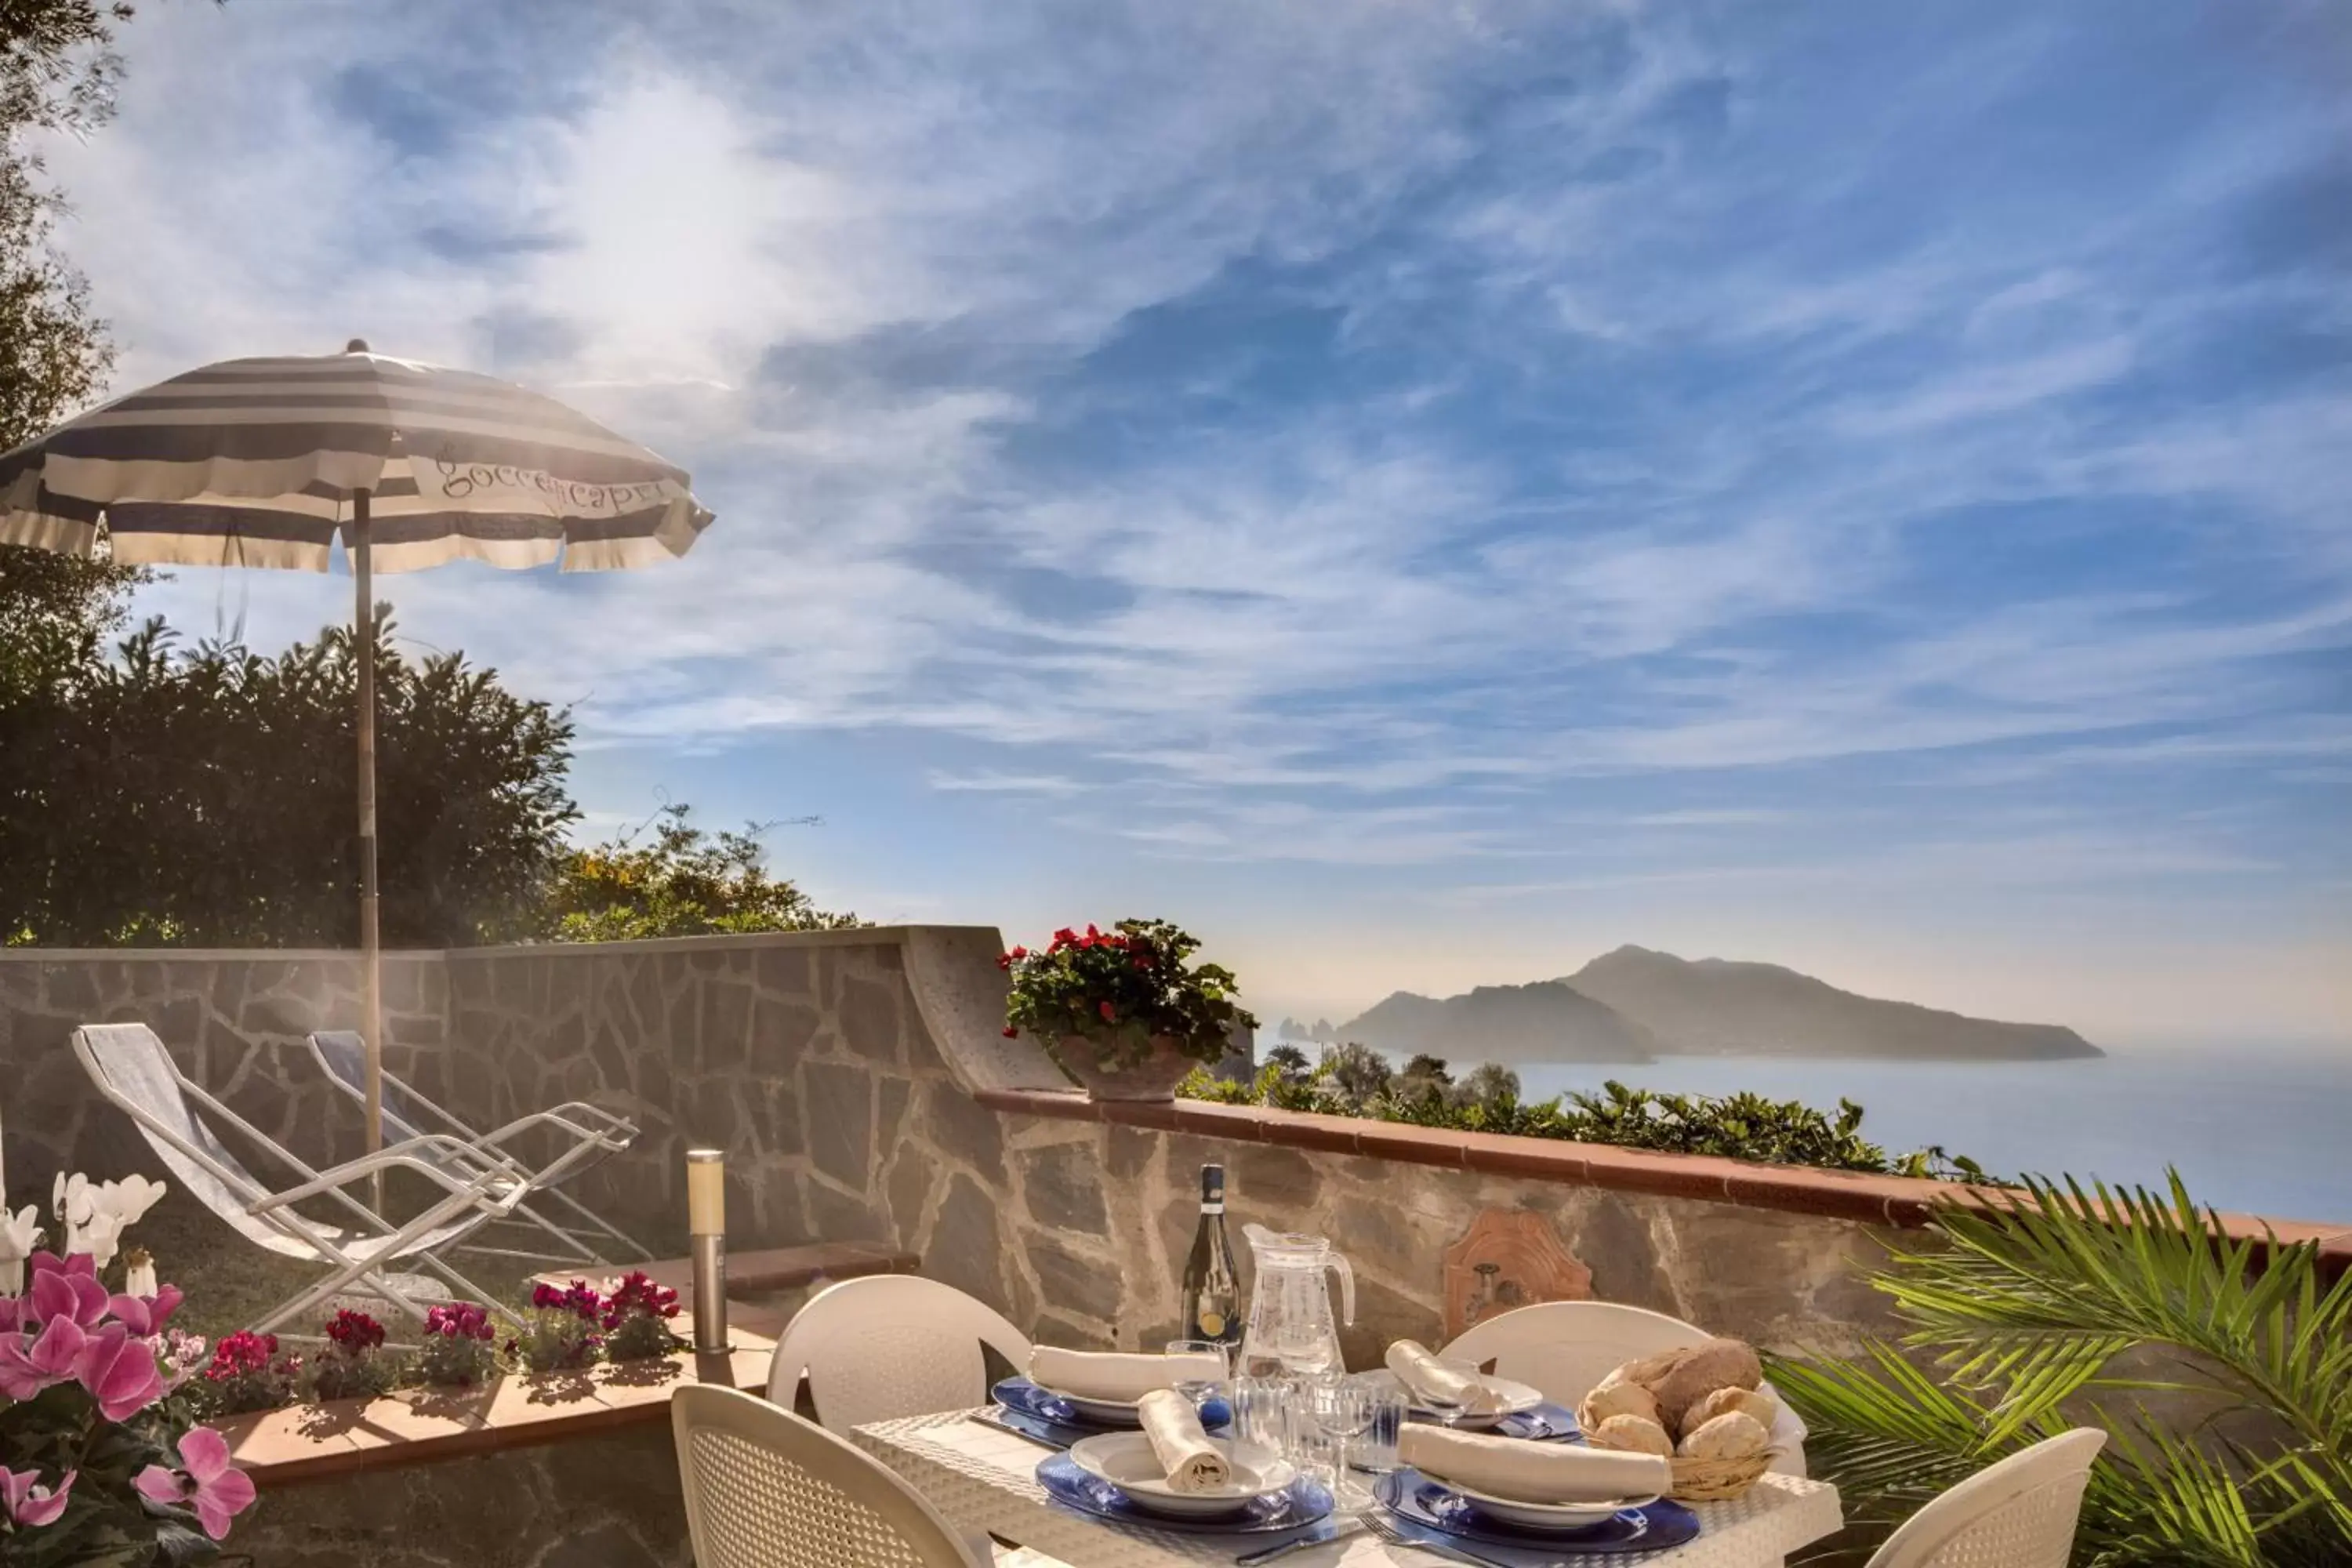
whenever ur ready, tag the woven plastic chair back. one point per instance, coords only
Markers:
(2018, 1513)
(767, 1489)
(890, 1345)
(1565, 1348)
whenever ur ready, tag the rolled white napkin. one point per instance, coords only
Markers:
(1193, 1464)
(1423, 1375)
(1116, 1375)
(1533, 1472)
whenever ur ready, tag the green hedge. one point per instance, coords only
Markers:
(1353, 1080)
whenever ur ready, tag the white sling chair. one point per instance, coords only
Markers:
(130, 1068)
(2018, 1513)
(1565, 1348)
(343, 1055)
(767, 1489)
(890, 1345)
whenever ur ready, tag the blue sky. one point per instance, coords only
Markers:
(1419, 493)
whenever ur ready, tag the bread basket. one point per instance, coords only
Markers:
(1695, 1481)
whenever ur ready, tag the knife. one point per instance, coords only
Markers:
(1026, 1435)
(1328, 1529)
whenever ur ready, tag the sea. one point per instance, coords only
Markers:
(2263, 1129)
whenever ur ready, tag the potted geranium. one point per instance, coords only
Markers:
(1119, 1010)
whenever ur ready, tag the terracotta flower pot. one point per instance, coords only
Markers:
(1153, 1077)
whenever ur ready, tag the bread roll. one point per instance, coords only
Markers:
(1621, 1399)
(1724, 1401)
(1733, 1437)
(1702, 1369)
(1634, 1434)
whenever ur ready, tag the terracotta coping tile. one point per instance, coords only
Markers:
(1902, 1201)
(1402, 1141)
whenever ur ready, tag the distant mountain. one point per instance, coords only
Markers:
(1545, 1022)
(1716, 1008)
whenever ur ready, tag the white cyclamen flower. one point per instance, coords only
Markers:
(19, 1233)
(131, 1197)
(101, 1238)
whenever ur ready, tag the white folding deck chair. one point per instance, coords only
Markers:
(890, 1345)
(767, 1489)
(406, 1113)
(1565, 1348)
(2019, 1513)
(131, 1068)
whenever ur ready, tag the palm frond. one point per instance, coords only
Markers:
(2026, 1308)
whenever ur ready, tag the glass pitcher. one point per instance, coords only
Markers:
(1290, 1328)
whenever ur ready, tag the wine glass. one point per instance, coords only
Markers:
(1198, 1389)
(1343, 1407)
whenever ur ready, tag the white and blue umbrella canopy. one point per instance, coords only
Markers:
(266, 462)
(257, 462)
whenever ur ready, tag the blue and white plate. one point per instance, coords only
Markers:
(1297, 1506)
(1430, 1505)
(1056, 1419)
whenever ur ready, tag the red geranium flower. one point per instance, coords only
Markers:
(1011, 1033)
(1110, 1015)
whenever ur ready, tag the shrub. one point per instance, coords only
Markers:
(1353, 1080)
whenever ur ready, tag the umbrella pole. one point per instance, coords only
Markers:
(370, 956)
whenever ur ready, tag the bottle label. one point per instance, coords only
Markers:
(1214, 1206)
(1212, 1323)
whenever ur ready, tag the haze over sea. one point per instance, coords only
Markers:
(2259, 1128)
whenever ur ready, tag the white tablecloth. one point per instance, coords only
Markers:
(983, 1478)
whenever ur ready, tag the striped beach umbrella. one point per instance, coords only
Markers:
(265, 462)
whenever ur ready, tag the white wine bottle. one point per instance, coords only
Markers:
(1211, 1290)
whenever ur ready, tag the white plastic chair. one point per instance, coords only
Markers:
(767, 1489)
(1565, 1348)
(890, 1345)
(2018, 1513)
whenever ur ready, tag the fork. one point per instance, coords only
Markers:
(1387, 1530)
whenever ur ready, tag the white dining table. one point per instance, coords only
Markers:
(984, 1479)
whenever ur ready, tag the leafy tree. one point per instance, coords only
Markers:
(205, 798)
(58, 72)
(682, 882)
(1290, 1061)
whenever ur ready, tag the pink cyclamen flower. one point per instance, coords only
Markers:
(29, 1504)
(66, 1293)
(146, 1315)
(29, 1364)
(119, 1371)
(205, 1481)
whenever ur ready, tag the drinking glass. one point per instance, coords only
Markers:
(1265, 1413)
(1384, 1403)
(1199, 1390)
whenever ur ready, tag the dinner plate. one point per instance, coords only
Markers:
(1126, 1461)
(1101, 1412)
(1546, 1517)
(1021, 1394)
(1431, 1505)
(1299, 1504)
(1518, 1399)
